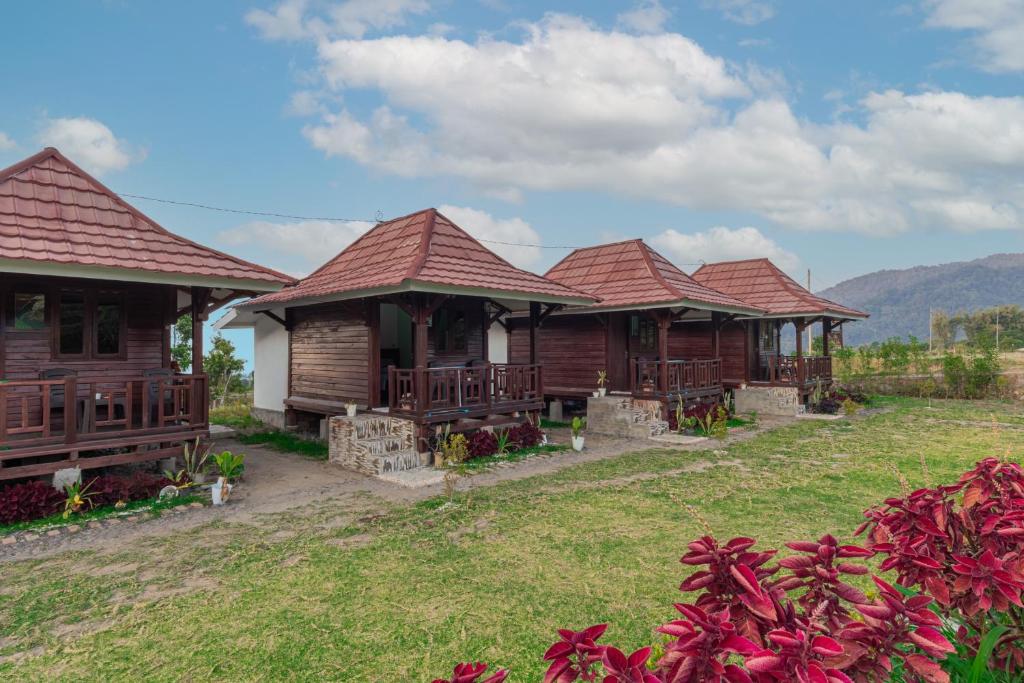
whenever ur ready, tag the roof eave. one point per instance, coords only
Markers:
(49, 268)
(429, 287)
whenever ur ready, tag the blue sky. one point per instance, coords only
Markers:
(841, 137)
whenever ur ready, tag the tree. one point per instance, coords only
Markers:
(943, 329)
(181, 342)
(223, 368)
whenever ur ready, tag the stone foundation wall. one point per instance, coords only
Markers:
(274, 418)
(373, 444)
(768, 400)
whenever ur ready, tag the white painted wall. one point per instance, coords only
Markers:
(497, 344)
(270, 342)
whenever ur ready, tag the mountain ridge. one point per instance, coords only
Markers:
(899, 300)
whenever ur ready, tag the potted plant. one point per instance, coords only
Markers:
(195, 458)
(602, 378)
(406, 401)
(350, 408)
(230, 466)
(578, 423)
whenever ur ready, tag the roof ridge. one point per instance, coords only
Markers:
(656, 273)
(426, 238)
(55, 153)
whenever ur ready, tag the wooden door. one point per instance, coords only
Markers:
(617, 354)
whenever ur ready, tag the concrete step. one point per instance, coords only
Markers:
(399, 461)
(385, 444)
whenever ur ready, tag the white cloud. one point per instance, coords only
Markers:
(290, 20)
(722, 244)
(572, 107)
(491, 231)
(304, 103)
(312, 242)
(285, 22)
(647, 16)
(6, 142)
(747, 12)
(88, 143)
(996, 25)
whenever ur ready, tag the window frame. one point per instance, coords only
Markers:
(90, 326)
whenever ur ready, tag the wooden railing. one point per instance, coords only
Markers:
(786, 369)
(474, 390)
(666, 378)
(36, 413)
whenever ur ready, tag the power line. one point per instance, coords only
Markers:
(333, 219)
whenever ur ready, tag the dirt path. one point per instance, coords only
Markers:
(277, 482)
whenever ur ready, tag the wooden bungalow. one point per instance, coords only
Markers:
(761, 283)
(90, 288)
(655, 331)
(398, 323)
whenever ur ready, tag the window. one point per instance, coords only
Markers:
(71, 324)
(29, 311)
(88, 324)
(645, 331)
(766, 333)
(450, 331)
(108, 323)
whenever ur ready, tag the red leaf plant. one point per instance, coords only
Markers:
(471, 673)
(963, 544)
(959, 546)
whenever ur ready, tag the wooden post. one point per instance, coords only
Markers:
(534, 321)
(419, 350)
(826, 332)
(799, 324)
(200, 297)
(664, 320)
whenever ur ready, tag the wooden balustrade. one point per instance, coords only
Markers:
(77, 410)
(685, 377)
(780, 369)
(463, 391)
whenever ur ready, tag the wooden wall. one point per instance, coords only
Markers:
(690, 341)
(570, 347)
(148, 311)
(474, 312)
(732, 347)
(329, 352)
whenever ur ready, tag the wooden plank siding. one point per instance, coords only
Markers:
(26, 353)
(329, 353)
(570, 348)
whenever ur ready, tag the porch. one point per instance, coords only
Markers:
(104, 422)
(798, 371)
(673, 380)
(477, 390)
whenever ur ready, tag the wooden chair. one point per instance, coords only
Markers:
(152, 389)
(58, 400)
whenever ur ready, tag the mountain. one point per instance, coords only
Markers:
(899, 300)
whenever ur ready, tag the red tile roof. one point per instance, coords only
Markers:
(53, 212)
(760, 282)
(427, 249)
(632, 275)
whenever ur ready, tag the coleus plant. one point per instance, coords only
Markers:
(963, 544)
(956, 551)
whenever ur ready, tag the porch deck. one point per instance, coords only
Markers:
(673, 380)
(433, 395)
(779, 370)
(106, 422)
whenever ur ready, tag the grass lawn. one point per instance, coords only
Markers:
(287, 443)
(404, 595)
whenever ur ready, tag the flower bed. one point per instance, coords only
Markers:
(34, 500)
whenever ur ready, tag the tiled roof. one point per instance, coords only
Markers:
(631, 274)
(51, 211)
(424, 248)
(760, 282)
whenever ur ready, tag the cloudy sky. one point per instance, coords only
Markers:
(837, 136)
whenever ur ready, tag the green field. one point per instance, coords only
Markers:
(403, 595)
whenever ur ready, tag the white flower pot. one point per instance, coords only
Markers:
(602, 391)
(221, 491)
(350, 411)
(577, 443)
(596, 394)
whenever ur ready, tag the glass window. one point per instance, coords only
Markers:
(458, 332)
(72, 324)
(108, 324)
(29, 311)
(440, 325)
